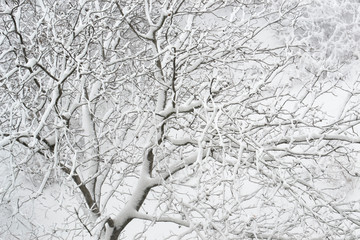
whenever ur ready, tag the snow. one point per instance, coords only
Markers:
(10, 73)
(31, 63)
(6, 141)
(259, 155)
(50, 107)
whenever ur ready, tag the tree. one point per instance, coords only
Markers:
(207, 115)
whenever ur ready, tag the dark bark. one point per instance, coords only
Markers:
(86, 193)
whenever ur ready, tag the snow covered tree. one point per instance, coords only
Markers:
(213, 119)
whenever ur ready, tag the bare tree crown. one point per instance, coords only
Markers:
(214, 119)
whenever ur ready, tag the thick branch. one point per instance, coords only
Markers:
(86, 193)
